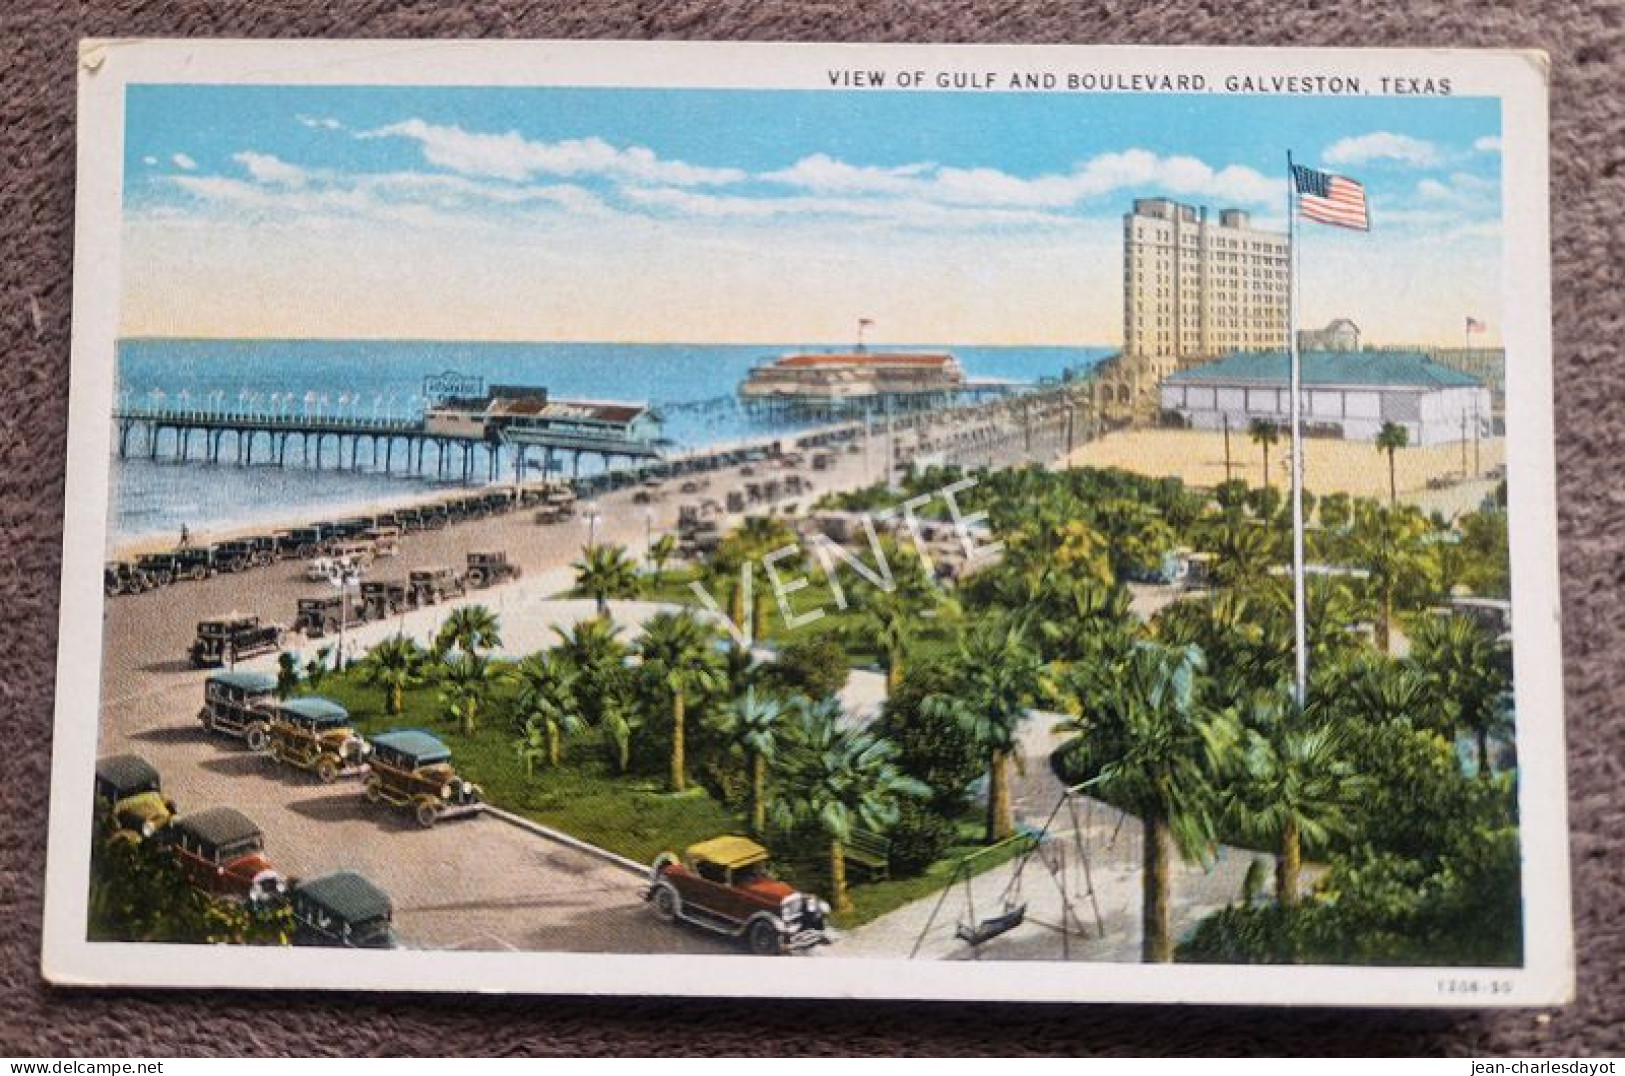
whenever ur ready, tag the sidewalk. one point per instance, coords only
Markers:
(1110, 847)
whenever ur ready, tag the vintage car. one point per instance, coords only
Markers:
(302, 542)
(342, 909)
(122, 577)
(238, 704)
(558, 505)
(193, 562)
(382, 598)
(724, 886)
(413, 769)
(226, 640)
(233, 556)
(431, 585)
(314, 734)
(161, 569)
(222, 852)
(385, 539)
(322, 615)
(489, 569)
(130, 796)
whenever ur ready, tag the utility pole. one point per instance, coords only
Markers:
(1227, 446)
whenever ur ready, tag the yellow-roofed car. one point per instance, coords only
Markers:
(724, 885)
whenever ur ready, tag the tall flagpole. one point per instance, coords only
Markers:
(1295, 409)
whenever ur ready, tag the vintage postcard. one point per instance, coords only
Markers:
(1064, 524)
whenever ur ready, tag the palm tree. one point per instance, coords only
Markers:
(1144, 740)
(839, 778)
(465, 685)
(996, 680)
(546, 702)
(594, 650)
(1467, 676)
(1390, 439)
(1296, 786)
(661, 552)
(531, 745)
(1264, 433)
(605, 572)
(470, 629)
(754, 723)
(680, 661)
(395, 664)
(887, 622)
(287, 674)
(1390, 543)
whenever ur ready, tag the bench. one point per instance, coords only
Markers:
(870, 851)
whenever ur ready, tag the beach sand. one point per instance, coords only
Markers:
(1330, 466)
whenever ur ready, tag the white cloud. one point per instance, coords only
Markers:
(272, 170)
(1463, 189)
(1383, 146)
(905, 212)
(1135, 170)
(182, 161)
(320, 123)
(826, 175)
(513, 157)
(149, 160)
(1488, 144)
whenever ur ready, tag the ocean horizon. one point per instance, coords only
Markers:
(692, 385)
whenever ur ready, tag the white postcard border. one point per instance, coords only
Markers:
(106, 67)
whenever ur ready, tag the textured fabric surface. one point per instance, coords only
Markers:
(1587, 44)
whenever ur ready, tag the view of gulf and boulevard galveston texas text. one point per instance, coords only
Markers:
(826, 524)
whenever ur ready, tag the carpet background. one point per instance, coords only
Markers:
(1586, 40)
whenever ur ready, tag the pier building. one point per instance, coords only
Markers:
(461, 437)
(1346, 394)
(846, 383)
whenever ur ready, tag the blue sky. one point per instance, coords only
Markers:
(471, 212)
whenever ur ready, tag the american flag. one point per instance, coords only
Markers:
(1476, 326)
(1330, 199)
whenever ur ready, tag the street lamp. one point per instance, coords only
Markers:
(592, 518)
(345, 577)
(648, 530)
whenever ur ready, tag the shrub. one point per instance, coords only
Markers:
(815, 667)
(918, 838)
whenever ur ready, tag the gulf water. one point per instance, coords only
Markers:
(692, 385)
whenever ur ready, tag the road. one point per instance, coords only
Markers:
(475, 882)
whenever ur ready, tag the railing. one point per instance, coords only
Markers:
(260, 420)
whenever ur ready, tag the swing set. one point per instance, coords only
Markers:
(977, 931)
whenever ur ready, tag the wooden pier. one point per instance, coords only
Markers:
(378, 445)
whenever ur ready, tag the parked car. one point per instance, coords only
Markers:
(122, 577)
(382, 598)
(431, 585)
(233, 556)
(237, 704)
(489, 569)
(221, 852)
(321, 615)
(130, 796)
(303, 542)
(314, 734)
(724, 885)
(385, 540)
(195, 563)
(226, 640)
(413, 769)
(342, 909)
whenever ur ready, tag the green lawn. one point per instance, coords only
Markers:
(630, 815)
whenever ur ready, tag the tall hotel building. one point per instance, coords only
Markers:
(1195, 289)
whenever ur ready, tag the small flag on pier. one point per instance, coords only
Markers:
(1330, 199)
(1475, 326)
